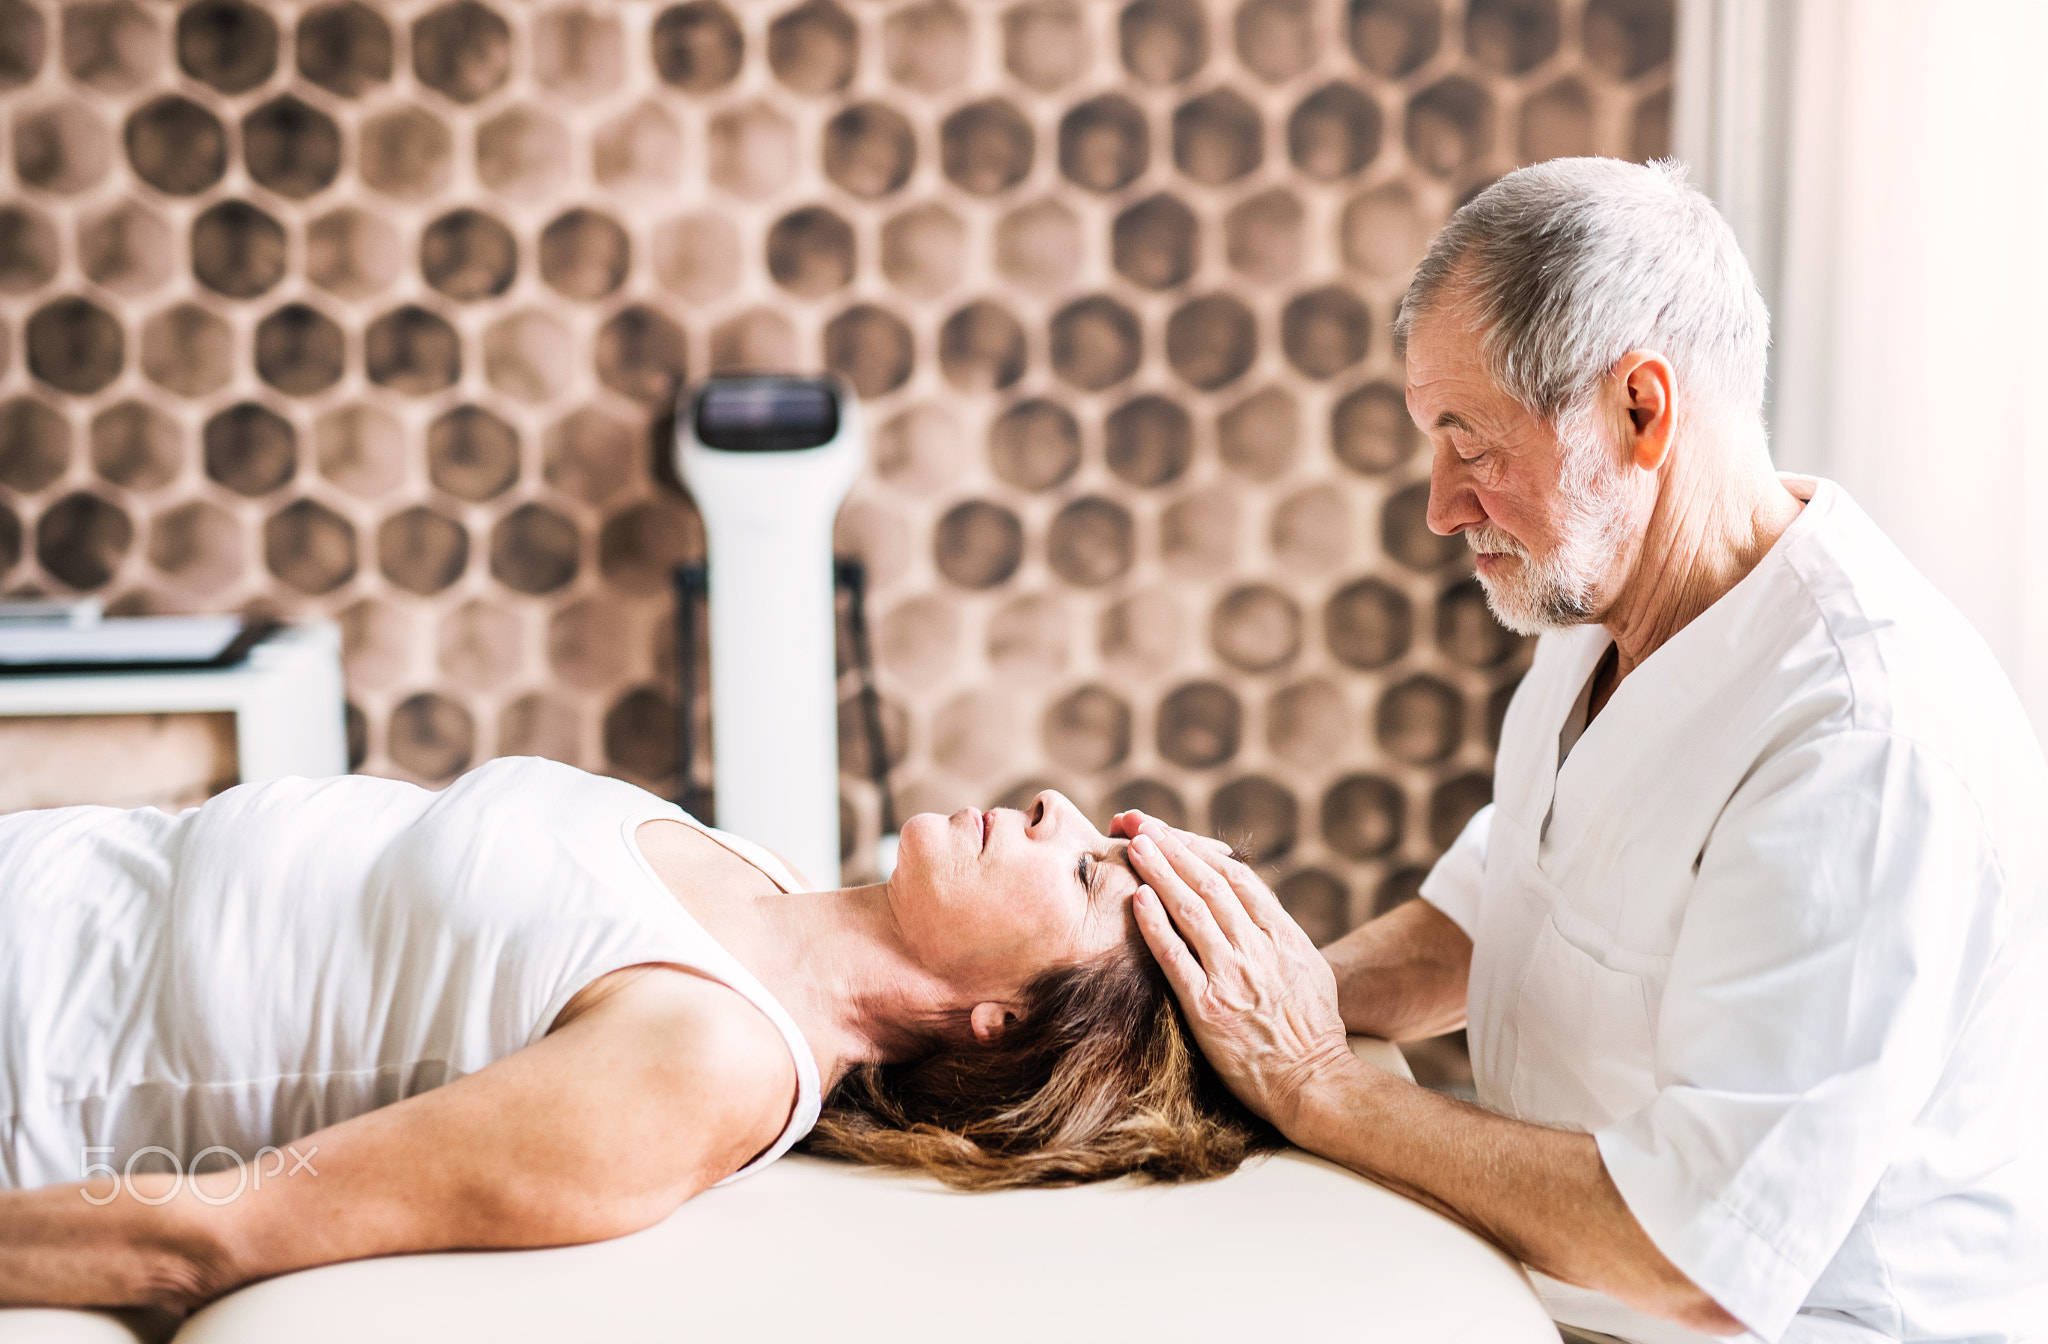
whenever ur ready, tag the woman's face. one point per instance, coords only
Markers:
(988, 900)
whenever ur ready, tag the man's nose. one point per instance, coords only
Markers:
(1452, 504)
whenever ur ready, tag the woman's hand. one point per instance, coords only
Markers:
(1261, 999)
(144, 1242)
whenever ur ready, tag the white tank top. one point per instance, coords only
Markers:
(294, 953)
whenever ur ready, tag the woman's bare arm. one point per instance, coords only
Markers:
(605, 1126)
(1403, 976)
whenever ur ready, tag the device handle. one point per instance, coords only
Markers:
(692, 588)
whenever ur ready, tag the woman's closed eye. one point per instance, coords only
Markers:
(1090, 867)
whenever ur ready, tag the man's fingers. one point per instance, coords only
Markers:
(1199, 875)
(1127, 825)
(1192, 913)
(1259, 900)
(1253, 894)
(1183, 972)
(1207, 844)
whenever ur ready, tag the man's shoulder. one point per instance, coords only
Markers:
(1874, 663)
(1908, 662)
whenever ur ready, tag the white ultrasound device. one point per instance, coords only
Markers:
(768, 460)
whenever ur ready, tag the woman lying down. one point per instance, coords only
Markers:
(350, 1017)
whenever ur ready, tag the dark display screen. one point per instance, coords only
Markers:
(767, 415)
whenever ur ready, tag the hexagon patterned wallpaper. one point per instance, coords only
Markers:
(376, 312)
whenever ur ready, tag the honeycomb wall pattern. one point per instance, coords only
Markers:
(377, 312)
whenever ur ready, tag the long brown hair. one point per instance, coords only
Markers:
(1097, 1078)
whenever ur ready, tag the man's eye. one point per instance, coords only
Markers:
(1081, 871)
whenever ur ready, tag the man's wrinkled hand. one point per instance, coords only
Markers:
(1128, 824)
(1261, 999)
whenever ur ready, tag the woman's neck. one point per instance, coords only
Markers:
(834, 959)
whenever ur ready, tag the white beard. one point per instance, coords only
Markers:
(1559, 588)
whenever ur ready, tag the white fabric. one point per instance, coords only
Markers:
(1784, 949)
(298, 952)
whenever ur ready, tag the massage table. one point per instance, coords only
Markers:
(1288, 1248)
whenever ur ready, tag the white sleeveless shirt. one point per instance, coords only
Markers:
(295, 953)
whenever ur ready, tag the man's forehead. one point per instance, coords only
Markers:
(1444, 334)
(1443, 362)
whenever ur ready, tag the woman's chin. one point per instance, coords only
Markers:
(921, 837)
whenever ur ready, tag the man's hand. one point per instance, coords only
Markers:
(1263, 1005)
(1128, 824)
(1400, 977)
(1261, 1000)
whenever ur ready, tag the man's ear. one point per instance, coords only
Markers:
(990, 1021)
(1649, 395)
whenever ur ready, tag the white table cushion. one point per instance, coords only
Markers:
(1290, 1247)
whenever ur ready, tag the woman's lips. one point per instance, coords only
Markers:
(980, 821)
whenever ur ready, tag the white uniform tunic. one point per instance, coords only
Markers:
(294, 953)
(1776, 934)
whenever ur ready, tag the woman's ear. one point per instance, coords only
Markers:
(990, 1021)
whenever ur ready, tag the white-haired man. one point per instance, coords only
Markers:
(1752, 943)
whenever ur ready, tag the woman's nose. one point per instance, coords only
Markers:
(1048, 812)
(1052, 813)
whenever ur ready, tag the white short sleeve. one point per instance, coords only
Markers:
(1453, 884)
(1847, 907)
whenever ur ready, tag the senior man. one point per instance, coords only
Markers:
(1750, 943)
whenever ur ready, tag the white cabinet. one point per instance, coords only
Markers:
(106, 736)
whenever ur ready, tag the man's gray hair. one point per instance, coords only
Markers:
(1569, 265)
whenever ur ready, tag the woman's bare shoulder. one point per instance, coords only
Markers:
(693, 1026)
